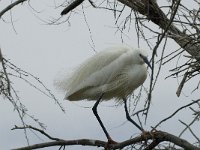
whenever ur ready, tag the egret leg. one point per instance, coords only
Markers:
(128, 116)
(94, 109)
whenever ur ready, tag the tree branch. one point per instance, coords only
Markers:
(152, 11)
(185, 106)
(38, 130)
(9, 7)
(84, 142)
(71, 6)
(5, 73)
(157, 16)
(158, 135)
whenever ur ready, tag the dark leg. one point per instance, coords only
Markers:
(94, 109)
(128, 116)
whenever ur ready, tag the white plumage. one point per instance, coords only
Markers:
(114, 72)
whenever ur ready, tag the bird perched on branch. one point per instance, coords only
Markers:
(113, 73)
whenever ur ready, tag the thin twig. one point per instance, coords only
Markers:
(5, 72)
(185, 106)
(38, 130)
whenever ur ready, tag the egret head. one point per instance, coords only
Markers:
(142, 57)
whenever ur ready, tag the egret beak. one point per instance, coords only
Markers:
(146, 61)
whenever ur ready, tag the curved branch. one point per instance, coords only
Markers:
(9, 7)
(157, 135)
(85, 142)
(38, 130)
(71, 6)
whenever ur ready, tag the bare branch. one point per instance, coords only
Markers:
(156, 47)
(84, 142)
(157, 16)
(185, 106)
(9, 7)
(188, 127)
(38, 130)
(71, 6)
(158, 135)
(5, 72)
(178, 92)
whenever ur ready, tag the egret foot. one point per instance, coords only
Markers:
(153, 132)
(145, 134)
(110, 141)
(149, 133)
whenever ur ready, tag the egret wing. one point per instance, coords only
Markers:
(98, 70)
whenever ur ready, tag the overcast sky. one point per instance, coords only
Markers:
(45, 50)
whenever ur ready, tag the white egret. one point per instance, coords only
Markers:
(112, 73)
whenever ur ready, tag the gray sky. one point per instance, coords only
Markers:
(45, 50)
